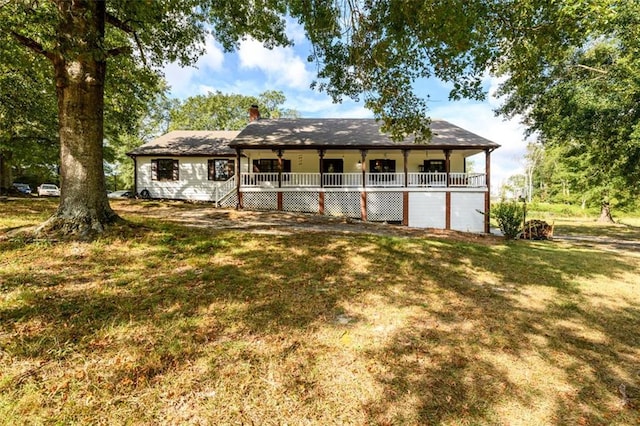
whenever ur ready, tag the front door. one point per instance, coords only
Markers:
(331, 166)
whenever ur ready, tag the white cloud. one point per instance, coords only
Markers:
(316, 104)
(213, 59)
(281, 65)
(296, 32)
(480, 119)
(184, 80)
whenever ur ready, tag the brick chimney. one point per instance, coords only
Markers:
(254, 113)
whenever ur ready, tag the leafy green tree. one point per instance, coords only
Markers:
(375, 50)
(513, 187)
(153, 121)
(590, 107)
(78, 38)
(28, 121)
(579, 92)
(219, 111)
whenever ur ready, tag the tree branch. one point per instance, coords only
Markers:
(119, 24)
(118, 50)
(129, 30)
(586, 67)
(32, 44)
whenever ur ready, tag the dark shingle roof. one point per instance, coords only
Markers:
(189, 142)
(312, 133)
(348, 133)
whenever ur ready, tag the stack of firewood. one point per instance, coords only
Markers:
(537, 230)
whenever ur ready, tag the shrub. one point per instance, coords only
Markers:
(508, 214)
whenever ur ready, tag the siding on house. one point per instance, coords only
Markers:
(193, 183)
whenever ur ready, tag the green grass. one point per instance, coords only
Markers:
(164, 323)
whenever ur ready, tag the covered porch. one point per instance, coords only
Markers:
(389, 168)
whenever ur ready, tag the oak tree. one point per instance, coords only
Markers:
(79, 38)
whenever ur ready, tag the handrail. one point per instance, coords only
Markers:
(350, 180)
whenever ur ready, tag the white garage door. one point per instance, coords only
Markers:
(427, 210)
(465, 211)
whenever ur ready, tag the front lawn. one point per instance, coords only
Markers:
(162, 323)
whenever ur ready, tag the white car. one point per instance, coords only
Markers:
(48, 190)
(120, 194)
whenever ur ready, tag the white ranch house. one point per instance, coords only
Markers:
(341, 167)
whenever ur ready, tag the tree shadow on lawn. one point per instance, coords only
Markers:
(191, 288)
(461, 361)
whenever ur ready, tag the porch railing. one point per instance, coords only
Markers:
(374, 180)
(340, 180)
(224, 188)
(427, 179)
(467, 180)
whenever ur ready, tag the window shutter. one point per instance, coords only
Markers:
(211, 170)
(154, 169)
(176, 170)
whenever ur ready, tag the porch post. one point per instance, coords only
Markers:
(321, 166)
(487, 195)
(238, 178)
(279, 152)
(363, 158)
(363, 194)
(405, 156)
(405, 208)
(447, 163)
(321, 153)
(447, 214)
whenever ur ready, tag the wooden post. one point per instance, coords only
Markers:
(363, 205)
(321, 166)
(405, 208)
(405, 156)
(447, 210)
(238, 178)
(487, 195)
(279, 201)
(321, 202)
(363, 194)
(279, 152)
(447, 164)
(363, 167)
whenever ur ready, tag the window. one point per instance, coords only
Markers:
(270, 166)
(432, 166)
(164, 169)
(221, 169)
(382, 166)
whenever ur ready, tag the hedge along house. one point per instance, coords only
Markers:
(186, 165)
(343, 167)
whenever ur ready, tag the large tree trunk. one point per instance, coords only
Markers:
(80, 73)
(605, 213)
(5, 172)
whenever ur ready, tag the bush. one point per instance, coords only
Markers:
(508, 214)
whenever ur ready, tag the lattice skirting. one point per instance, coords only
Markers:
(307, 202)
(342, 204)
(231, 201)
(384, 206)
(260, 200)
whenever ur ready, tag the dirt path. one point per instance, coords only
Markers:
(607, 243)
(282, 223)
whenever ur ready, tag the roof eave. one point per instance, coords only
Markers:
(418, 147)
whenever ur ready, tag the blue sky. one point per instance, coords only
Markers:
(253, 69)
